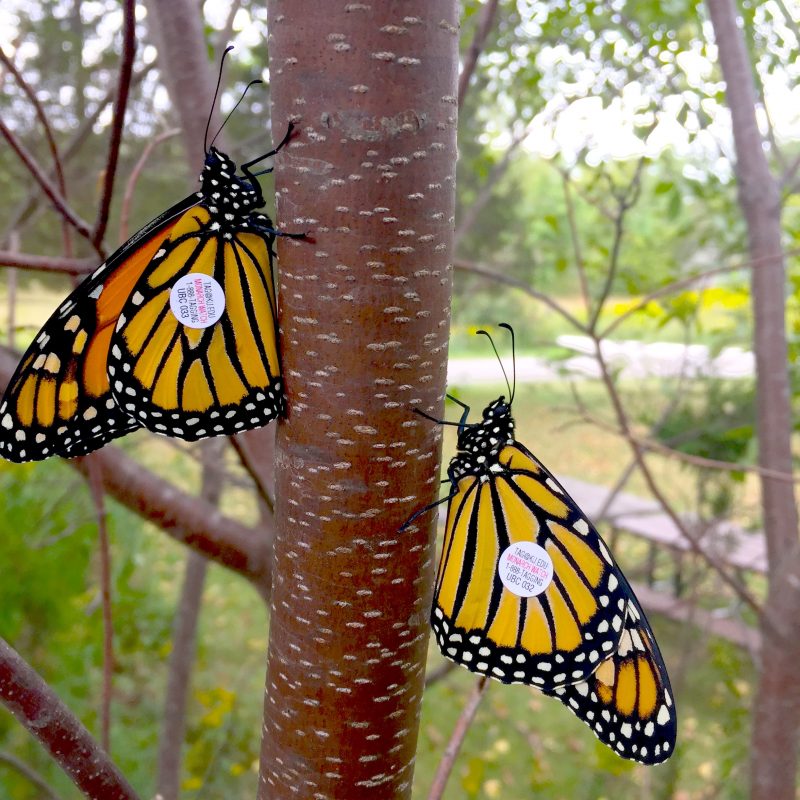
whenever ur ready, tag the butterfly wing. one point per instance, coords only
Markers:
(58, 401)
(627, 701)
(551, 639)
(197, 382)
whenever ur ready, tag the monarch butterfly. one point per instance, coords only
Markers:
(527, 592)
(176, 331)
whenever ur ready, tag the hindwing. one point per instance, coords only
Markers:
(196, 382)
(557, 637)
(627, 701)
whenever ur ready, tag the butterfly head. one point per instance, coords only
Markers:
(480, 443)
(225, 193)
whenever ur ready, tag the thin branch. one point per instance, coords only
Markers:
(36, 706)
(256, 451)
(624, 203)
(456, 740)
(688, 458)
(185, 518)
(226, 33)
(485, 22)
(44, 182)
(30, 774)
(683, 283)
(95, 479)
(30, 204)
(123, 89)
(439, 673)
(576, 243)
(134, 178)
(499, 277)
(51, 141)
(69, 266)
(472, 213)
(655, 490)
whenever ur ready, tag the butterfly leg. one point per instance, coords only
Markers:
(421, 511)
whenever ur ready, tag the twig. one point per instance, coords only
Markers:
(226, 34)
(576, 243)
(442, 671)
(485, 22)
(31, 202)
(36, 706)
(676, 286)
(498, 170)
(457, 739)
(95, 479)
(499, 277)
(624, 203)
(44, 182)
(184, 638)
(69, 266)
(688, 458)
(30, 773)
(51, 141)
(258, 462)
(655, 490)
(134, 177)
(123, 89)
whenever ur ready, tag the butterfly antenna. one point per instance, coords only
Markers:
(238, 103)
(500, 361)
(216, 94)
(513, 359)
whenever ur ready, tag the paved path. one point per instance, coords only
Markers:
(629, 359)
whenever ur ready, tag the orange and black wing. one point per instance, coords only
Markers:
(554, 638)
(58, 402)
(627, 701)
(195, 382)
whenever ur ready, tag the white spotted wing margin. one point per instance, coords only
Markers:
(628, 702)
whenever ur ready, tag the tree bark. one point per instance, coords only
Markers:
(364, 312)
(776, 713)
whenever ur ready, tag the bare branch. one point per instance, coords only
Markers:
(95, 480)
(44, 182)
(69, 266)
(51, 141)
(134, 177)
(31, 774)
(655, 489)
(123, 89)
(456, 740)
(485, 22)
(499, 277)
(36, 706)
(30, 204)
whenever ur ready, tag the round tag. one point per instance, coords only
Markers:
(525, 569)
(197, 300)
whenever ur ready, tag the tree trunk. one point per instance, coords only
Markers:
(777, 704)
(177, 27)
(364, 314)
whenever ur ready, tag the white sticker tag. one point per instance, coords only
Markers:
(525, 569)
(197, 300)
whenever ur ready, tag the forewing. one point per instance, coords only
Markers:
(627, 701)
(59, 402)
(557, 637)
(199, 382)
